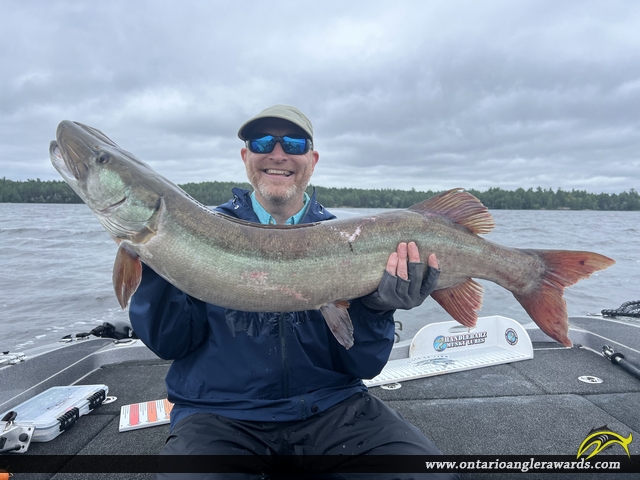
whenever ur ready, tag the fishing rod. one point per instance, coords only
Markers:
(618, 359)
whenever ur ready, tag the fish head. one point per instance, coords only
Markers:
(122, 191)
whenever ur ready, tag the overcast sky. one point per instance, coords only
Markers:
(415, 94)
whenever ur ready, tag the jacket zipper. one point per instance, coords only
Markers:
(282, 330)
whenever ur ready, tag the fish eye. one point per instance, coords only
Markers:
(103, 158)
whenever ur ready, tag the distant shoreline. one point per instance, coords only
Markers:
(216, 193)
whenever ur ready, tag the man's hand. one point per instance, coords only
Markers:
(403, 285)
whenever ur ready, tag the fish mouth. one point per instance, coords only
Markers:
(56, 155)
(66, 169)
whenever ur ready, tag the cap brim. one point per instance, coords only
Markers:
(283, 112)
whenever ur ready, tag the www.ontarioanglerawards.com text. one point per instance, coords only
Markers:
(531, 465)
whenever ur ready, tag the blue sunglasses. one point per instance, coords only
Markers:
(290, 145)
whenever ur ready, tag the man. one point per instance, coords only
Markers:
(278, 383)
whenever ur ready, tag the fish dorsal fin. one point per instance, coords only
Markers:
(461, 301)
(460, 207)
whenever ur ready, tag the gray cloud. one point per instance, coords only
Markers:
(425, 95)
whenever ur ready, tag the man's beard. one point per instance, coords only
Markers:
(277, 194)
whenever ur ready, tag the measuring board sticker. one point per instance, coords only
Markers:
(449, 347)
(145, 414)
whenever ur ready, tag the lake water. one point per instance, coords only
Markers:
(56, 263)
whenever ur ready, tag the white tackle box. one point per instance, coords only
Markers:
(57, 409)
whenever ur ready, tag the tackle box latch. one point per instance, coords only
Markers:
(96, 399)
(69, 418)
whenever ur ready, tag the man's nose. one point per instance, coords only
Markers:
(278, 152)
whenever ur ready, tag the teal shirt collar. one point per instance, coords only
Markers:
(266, 218)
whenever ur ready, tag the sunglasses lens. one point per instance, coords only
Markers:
(295, 146)
(290, 145)
(263, 144)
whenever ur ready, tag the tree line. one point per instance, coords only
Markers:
(215, 193)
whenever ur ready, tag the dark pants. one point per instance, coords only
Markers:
(362, 424)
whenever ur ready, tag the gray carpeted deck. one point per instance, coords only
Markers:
(533, 407)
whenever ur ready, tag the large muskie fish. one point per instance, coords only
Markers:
(252, 267)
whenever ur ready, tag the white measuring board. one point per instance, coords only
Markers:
(448, 347)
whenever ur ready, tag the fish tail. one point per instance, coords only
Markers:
(544, 302)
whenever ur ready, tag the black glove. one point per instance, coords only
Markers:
(397, 293)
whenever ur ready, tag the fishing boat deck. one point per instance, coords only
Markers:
(532, 407)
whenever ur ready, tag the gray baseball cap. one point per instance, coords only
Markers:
(285, 112)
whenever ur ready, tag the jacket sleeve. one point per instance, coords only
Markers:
(373, 335)
(170, 322)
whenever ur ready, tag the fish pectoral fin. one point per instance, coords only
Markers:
(143, 235)
(461, 301)
(127, 273)
(337, 317)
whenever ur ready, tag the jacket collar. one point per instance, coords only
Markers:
(240, 207)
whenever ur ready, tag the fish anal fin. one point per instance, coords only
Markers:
(461, 301)
(545, 303)
(461, 208)
(337, 317)
(127, 273)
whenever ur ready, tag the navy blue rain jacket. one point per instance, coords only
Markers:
(255, 366)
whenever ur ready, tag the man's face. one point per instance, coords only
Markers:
(279, 177)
